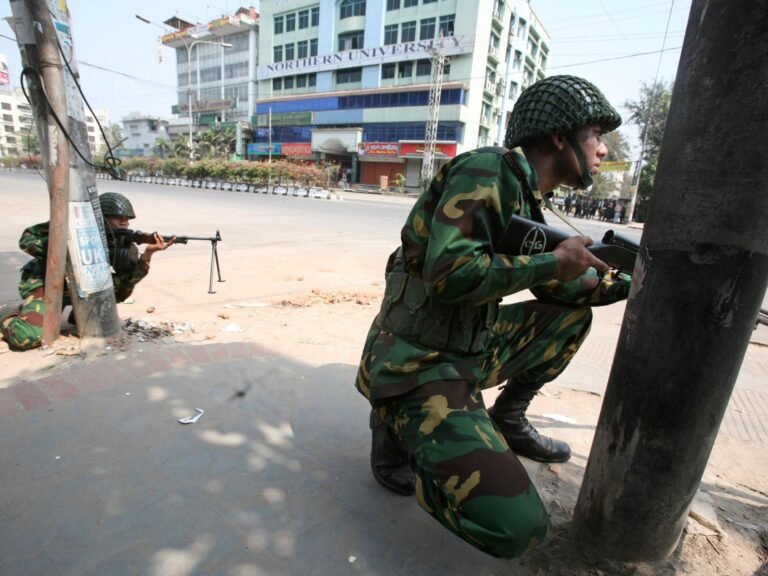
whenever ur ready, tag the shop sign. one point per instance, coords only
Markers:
(285, 119)
(297, 149)
(442, 149)
(378, 149)
(260, 149)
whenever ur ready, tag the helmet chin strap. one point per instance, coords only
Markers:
(585, 180)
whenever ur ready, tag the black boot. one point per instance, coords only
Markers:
(389, 462)
(508, 413)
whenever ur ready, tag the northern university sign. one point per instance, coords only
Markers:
(451, 45)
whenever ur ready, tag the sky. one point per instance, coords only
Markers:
(600, 40)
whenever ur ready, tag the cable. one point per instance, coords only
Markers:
(616, 58)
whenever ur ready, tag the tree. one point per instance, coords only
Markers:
(649, 113)
(179, 148)
(162, 148)
(114, 135)
(618, 147)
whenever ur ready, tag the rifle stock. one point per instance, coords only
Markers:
(528, 237)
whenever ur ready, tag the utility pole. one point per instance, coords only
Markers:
(437, 58)
(75, 218)
(696, 290)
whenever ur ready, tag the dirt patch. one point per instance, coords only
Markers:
(332, 297)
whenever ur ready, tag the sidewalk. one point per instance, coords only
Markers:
(99, 477)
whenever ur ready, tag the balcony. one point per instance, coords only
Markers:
(498, 18)
(493, 54)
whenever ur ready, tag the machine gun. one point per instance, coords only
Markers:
(528, 237)
(124, 238)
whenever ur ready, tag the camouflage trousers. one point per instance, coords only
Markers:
(467, 478)
(23, 328)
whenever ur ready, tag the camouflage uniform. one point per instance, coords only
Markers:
(441, 337)
(22, 328)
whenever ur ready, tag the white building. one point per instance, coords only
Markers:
(220, 79)
(141, 133)
(349, 80)
(18, 122)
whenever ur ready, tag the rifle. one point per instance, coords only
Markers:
(125, 237)
(527, 237)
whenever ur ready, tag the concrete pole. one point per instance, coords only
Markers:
(696, 291)
(57, 165)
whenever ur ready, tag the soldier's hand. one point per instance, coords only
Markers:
(573, 258)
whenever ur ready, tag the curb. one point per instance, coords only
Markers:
(226, 186)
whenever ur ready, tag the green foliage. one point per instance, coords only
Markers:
(618, 147)
(649, 113)
(645, 184)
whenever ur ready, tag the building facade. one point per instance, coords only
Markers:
(349, 80)
(18, 122)
(220, 79)
(141, 134)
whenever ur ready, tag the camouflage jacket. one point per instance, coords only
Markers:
(448, 241)
(34, 241)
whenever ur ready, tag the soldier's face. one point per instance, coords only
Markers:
(117, 221)
(590, 139)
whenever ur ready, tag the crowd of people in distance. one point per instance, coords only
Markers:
(593, 208)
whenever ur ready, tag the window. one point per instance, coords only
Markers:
(290, 22)
(427, 29)
(408, 31)
(9, 128)
(517, 63)
(210, 74)
(10, 139)
(351, 40)
(512, 90)
(446, 24)
(301, 81)
(312, 79)
(423, 68)
(387, 71)
(277, 84)
(351, 8)
(289, 52)
(393, 4)
(409, 3)
(6, 106)
(349, 75)
(8, 117)
(313, 47)
(288, 82)
(303, 48)
(404, 69)
(521, 28)
(278, 24)
(428, 1)
(277, 54)
(315, 16)
(390, 34)
(303, 19)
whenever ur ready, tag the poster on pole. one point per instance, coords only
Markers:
(86, 250)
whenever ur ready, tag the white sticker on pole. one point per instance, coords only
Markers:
(86, 250)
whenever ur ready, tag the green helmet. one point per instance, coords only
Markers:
(114, 204)
(558, 104)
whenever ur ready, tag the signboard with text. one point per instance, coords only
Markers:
(297, 149)
(451, 46)
(285, 119)
(442, 149)
(378, 149)
(260, 149)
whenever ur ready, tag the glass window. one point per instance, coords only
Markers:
(409, 3)
(404, 69)
(393, 4)
(408, 31)
(312, 79)
(303, 48)
(447, 24)
(427, 29)
(423, 68)
(8, 117)
(288, 82)
(278, 24)
(277, 83)
(316, 16)
(390, 34)
(387, 71)
(349, 75)
(277, 54)
(313, 47)
(290, 22)
(351, 40)
(303, 19)
(289, 52)
(301, 81)
(351, 8)
(6, 106)
(428, 1)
